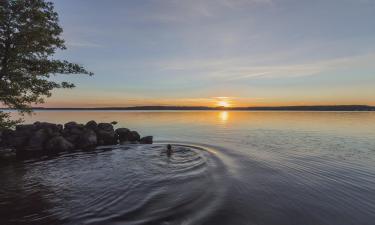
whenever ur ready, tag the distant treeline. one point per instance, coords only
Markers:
(263, 108)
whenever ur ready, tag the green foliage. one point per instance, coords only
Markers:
(6, 122)
(29, 37)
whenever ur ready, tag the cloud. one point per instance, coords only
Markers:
(244, 69)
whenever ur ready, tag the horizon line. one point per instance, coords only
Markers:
(161, 107)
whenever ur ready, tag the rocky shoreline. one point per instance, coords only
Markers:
(42, 138)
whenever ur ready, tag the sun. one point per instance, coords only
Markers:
(224, 104)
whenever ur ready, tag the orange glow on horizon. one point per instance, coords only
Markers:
(224, 104)
(71, 100)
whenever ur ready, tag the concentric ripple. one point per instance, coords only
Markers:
(135, 184)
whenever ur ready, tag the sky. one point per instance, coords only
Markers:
(218, 52)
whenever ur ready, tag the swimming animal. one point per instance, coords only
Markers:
(169, 150)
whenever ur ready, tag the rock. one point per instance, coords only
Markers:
(25, 128)
(58, 144)
(72, 138)
(71, 125)
(37, 141)
(146, 140)
(106, 137)
(123, 134)
(114, 122)
(92, 125)
(134, 137)
(105, 126)
(50, 126)
(75, 131)
(16, 140)
(87, 139)
(43, 138)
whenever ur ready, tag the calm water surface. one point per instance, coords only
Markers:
(228, 168)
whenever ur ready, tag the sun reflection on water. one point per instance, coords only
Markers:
(223, 115)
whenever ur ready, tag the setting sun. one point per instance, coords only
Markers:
(223, 104)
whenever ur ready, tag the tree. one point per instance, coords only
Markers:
(29, 37)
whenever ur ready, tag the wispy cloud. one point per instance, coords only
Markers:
(242, 69)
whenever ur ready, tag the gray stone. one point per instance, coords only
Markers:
(106, 137)
(71, 125)
(25, 128)
(50, 126)
(91, 125)
(87, 139)
(105, 126)
(123, 134)
(58, 144)
(146, 140)
(37, 141)
(134, 137)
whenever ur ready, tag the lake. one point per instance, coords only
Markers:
(228, 167)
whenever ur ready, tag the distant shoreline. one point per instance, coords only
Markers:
(204, 108)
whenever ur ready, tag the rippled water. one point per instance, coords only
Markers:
(227, 168)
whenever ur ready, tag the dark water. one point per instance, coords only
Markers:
(227, 168)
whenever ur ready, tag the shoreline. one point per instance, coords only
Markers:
(318, 108)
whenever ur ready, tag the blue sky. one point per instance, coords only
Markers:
(252, 52)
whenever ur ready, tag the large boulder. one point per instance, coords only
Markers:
(92, 125)
(134, 137)
(48, 126)
(106, 134)
(87, 139)
(127, 136)
(58, 144)
(106, 137)
(51, 129)
(70, 125)
(123, 134)
(146, 140)
(17, 139)
(105, 126)
(37, 141)
(25, 128)
(72, 131)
